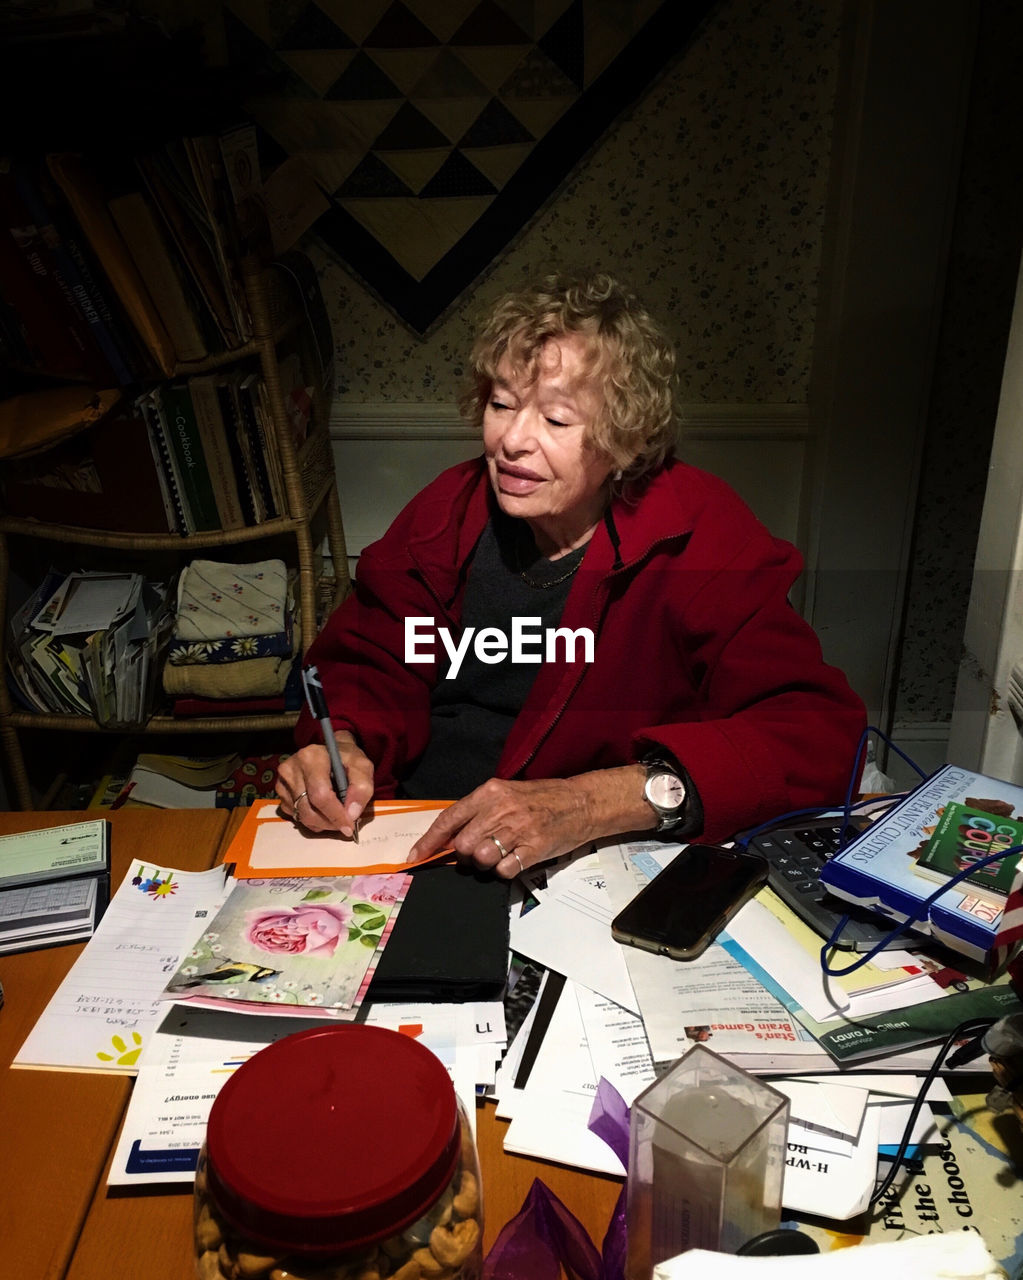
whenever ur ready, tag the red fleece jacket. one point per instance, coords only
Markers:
(697, 651)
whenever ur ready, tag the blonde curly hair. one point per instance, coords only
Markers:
(631, 360)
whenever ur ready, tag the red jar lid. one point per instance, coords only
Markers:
(332, 1138)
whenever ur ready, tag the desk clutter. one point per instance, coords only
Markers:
(190, 974)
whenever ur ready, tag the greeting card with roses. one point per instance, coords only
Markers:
(311, 942)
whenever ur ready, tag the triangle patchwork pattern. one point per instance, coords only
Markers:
(489, 24)
(363, 79)
(441, 126)
(410, 130)
(373, 178)
(399, 28)
(457, 176)
(563, 44)
(313, 30)
(495, 126)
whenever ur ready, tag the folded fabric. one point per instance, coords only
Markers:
(226, 601)
(247, 678)
(182, 653)
(289, 700)
(187, 708)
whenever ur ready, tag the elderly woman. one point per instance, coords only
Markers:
(575, 635)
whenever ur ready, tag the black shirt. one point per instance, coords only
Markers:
(472, 713)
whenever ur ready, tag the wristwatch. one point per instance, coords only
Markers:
(665, 792)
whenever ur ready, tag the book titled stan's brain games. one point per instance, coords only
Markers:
(966, 835)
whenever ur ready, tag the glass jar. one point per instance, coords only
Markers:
(339, 1153)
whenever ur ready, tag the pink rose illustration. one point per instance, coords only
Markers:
(383, 889)
(308, 929)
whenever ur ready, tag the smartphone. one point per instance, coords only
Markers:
(685, 906)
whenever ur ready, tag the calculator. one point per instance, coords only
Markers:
(795, 855)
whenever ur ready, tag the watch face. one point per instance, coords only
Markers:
(666, 791)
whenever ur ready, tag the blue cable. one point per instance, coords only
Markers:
(918, 914)
(849, 805)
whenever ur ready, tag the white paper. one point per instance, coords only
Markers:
(829, 1183)
(617, 1044)
(109, 1003)
(191, 1055)
(961, 1255)
(832, 1109)
(887, 1084)
(386, 837)
(94, 601)
(892, 1120)
(715, 1001)
(551, 1114)
(570, 932)
(764, 937)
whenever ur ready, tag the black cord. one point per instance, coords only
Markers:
(972, 1027)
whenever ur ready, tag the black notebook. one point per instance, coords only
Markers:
(450, 940)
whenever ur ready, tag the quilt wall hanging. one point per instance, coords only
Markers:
(437, 128)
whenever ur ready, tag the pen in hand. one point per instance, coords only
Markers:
(317, 704)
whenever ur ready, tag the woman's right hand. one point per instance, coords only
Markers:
(306, 788)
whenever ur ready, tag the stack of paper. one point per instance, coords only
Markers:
(872, 1012)
(88, 644)
(186, 1062)
(177, 782)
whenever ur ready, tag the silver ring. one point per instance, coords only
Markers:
(519, 861)
(297, 801)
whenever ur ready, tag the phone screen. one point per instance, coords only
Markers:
(679, 912)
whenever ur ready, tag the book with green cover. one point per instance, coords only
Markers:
(184, 439)
(965, 835)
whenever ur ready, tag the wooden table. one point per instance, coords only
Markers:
(57, 1216)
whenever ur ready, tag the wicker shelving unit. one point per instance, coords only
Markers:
(313, 512)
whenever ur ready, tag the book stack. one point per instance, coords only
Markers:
(115, 274)
(90, 643)
(215, 450)
(176, 782)
(159, 781)
(969, 812)
(236, 640)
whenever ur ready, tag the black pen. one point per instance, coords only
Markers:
(317, 704)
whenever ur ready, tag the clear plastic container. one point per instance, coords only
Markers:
(706, 1161)
(339, 1153)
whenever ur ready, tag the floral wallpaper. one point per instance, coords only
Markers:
(708, 198)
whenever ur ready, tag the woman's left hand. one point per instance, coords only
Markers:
(506, 826)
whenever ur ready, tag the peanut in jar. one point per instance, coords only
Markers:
(339, 1153)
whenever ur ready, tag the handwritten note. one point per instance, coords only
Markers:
(105, 1009)
(269, 845)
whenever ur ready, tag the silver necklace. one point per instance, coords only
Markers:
(544, 586)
